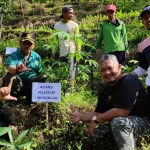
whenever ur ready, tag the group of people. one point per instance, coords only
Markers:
(122, 113)
(112, 33)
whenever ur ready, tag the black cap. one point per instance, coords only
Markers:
(26, 36)
(65, 9)
(145, 9)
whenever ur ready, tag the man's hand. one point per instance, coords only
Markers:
(15, 131)
(126, 54)
(91, 127)
(5, 92)
(22, 67)
(74, 115)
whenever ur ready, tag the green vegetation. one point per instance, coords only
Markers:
(47, 126)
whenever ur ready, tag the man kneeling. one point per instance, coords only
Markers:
(122, 111)
(25, 66)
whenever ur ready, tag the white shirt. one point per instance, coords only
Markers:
(66, 45)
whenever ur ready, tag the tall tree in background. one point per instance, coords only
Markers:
(5, 9)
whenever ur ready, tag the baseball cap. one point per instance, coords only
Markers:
(26, 36)
(145, 9)
(65, 9)
(111, 7)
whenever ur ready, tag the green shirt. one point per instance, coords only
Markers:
(33, 62)
(114, 37)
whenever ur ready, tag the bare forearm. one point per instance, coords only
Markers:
(112, 113)
(12, 70)
(88, 116)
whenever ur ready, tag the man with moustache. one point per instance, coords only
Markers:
(122, 111)
(26, 65)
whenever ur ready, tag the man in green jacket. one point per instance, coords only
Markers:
(113, 34)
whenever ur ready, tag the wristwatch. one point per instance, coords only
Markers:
(95, 119)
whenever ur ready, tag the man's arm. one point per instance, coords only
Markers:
(12, 70)
(124, 35)
(99, 40)
(76, 116)
(112, 113)
(108, 116)
(142, 65)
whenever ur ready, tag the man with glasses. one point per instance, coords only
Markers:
(25, 64)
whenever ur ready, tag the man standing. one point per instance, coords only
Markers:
(122, 111)
(144, 50)
(113, 34)
(26, 65)
(67, 46)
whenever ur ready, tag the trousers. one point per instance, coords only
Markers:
(122, 133)
(120, 56)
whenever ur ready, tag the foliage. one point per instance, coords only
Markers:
(14, 144)
(62, 134)
(5, 10)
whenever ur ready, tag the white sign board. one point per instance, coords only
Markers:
(9, 50)
(46, 92)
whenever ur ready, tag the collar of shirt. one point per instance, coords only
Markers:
(22, 55)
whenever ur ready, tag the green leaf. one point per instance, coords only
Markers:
(4, 130)
(21, 136)
(27, 143)
(11, 136)
(4, 143)
(9, 148)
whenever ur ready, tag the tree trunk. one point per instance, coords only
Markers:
(23, 15)
(1, 24)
